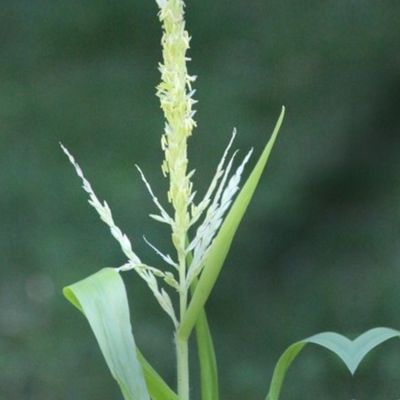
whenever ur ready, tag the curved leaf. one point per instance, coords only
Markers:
(102, 299)
(351, 352)
(223, 240)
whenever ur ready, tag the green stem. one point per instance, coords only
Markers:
(182, 352)
(182, 348)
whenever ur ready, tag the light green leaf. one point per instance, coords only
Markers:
(207, 359)
(223, 240)
(156, 386)
(205, 350)
(351, 352)
(102, 299)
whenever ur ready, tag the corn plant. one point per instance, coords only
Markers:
(201, 233)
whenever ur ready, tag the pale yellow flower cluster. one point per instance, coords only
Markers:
(175, 94)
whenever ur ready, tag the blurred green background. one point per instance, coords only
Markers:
(319, 248)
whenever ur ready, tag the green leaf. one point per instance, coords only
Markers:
(102, 299)
(205, 350)
(223, 240)
(156, 386)
(351, 352)
(207, 359)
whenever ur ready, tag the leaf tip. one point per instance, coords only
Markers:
(70, 296)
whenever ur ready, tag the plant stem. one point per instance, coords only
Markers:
(182, 352)
(182, 348)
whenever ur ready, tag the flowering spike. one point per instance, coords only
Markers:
(206, 232)
(161, 295)
(161, 3)
(176, 99)
(145, 272)
(166, 257)
(164, 215)
(197, 211)
(104, 211)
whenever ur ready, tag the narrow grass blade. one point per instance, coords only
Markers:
(281, 368)
(156, 386)
(205, 350)
(102, 299)
(223, 240)
(351, 352)
(207, 359)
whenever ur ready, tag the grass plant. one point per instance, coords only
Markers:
(201, 233)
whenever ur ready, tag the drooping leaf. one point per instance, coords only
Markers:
(102, 299)
(351, 352)
(223, 240)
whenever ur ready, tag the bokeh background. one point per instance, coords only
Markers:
(319, 247)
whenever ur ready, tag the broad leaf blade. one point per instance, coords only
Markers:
(102, 299)
(351, 352)
(223, 240)
(337, 344)
(368, 341)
